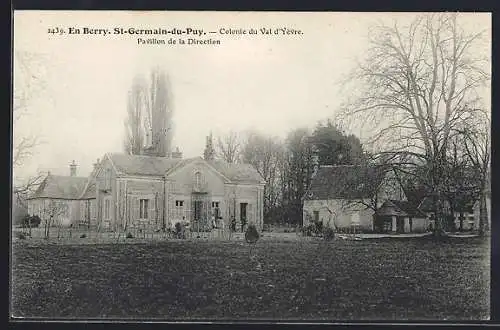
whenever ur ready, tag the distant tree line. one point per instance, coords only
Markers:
(288, 165)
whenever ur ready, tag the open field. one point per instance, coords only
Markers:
(416, 279)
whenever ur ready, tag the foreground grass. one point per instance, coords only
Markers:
(416, 279)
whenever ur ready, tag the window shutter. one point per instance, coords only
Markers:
(151, 206)
(136, 208)
(156, 218)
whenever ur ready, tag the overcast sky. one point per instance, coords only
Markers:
(272, 84)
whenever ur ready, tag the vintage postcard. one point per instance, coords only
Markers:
(251, 166)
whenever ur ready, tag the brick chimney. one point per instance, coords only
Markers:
(72, 169)
(177, 154)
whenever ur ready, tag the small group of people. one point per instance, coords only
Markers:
(217, 222)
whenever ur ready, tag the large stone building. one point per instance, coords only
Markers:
(151, 192)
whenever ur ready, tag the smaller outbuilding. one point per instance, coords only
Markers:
(400, 217)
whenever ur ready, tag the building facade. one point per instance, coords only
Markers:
(154, 193)
(368, 198)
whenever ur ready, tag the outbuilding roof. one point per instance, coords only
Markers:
(346, 182)
(60, 187)
(90, 190)
(400, 208)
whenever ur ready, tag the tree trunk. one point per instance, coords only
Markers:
(483, 214)
(439, 215)
(461, 218)
(47, 233)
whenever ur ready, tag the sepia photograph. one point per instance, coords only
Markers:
(251, 166)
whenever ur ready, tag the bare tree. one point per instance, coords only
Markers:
(209, 152)
(52, 213)
(229, 147)
(417, 83)
(30, 83)
(159, 112)
(265, 154)
(134, 130)
(298, 169)
(27, 187)
(149, 115)
(477, 144)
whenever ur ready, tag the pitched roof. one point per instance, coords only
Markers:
(158, 166)
(402, 208)
(143, 165)
(240, 173)
(90, 190)
(62, 187)
(415, 194)
(346, 182)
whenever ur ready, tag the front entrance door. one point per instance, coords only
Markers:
(400, 224)
(200, 212)
(198, 206)
(382, 223)
(243, 215)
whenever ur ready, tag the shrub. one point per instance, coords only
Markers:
(328, 233)
(179, 230)
(307, 230)
(21, 235)
(129, 235)
(251, 234)
(318, 227)
(31, 221)
(266, 227)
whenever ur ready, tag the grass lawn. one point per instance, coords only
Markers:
(384, 279)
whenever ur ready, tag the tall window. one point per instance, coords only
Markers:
(107, 206)
(143, 208)
(197, 179)
(179, 209)
(243, 212)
